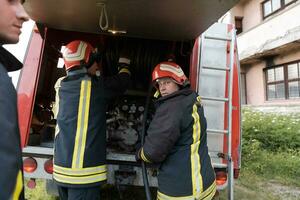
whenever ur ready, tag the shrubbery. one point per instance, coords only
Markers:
(274, 132)
(271, 145)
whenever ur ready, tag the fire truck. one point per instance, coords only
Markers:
(206, 51)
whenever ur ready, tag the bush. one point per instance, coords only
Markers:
(273, 132)
(271, 145)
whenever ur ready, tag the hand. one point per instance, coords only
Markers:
(123, 65)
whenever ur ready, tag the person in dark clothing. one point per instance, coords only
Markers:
(177, 139)
(80, 138)
(12, 16)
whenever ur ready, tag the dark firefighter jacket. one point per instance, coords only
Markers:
(80, 142)
(177, 139)
(11, 178)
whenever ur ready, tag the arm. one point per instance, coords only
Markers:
(10, 151)
(163, 133)
(117, 84)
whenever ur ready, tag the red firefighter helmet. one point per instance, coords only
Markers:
(77, 52)
(169, 69)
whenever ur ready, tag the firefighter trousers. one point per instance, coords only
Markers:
(89, 193)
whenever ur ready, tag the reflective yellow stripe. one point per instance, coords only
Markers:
(82, 124)
(208, 194)
(19, 186)
(195, 159)
(80, 172)
(80, 179)
(124, 70)
(86, 121)
(143, 156)
(199, 99)
(161, 196)
(156, 94)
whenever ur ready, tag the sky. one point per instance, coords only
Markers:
(19, 49)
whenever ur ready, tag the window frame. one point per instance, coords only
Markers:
(282, 6)
(285, 81)
(239, 29)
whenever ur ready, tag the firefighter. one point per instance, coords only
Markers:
(177, 140)
(12, 16)
(80, 138)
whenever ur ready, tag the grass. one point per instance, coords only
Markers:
(38, 193)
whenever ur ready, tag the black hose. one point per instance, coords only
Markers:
(144, 170)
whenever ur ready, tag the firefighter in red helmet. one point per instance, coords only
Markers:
(177, 139)
(80, 138)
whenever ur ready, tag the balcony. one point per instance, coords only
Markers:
(276, 35)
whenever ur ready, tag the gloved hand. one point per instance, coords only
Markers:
(123, 65)
(124, 61)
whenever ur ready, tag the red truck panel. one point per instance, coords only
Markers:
(27, 84)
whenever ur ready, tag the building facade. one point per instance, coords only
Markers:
(269, 51)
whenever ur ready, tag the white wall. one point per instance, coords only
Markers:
(278, 30)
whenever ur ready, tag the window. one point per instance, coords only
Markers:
(271, 6)
(283, 82)
(238, 21)
(293, 80)
(288, 1)
(243, 89)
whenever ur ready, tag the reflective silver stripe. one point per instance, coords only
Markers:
(80, 179)
(82, 124)
(124, 60)
(166, 67)
(76, 56)
(80, 172)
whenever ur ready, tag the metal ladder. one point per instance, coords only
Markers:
(227, 100)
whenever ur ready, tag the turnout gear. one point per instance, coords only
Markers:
(169, 69)
(80, 139)
(11, 177)
(177, 139)
(92, 193)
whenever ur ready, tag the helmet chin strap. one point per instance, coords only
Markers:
(94, 57)
(186, 83)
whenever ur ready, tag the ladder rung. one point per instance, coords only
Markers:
(217, 131)
(217, 68)
(217, 38)
(214, 98)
